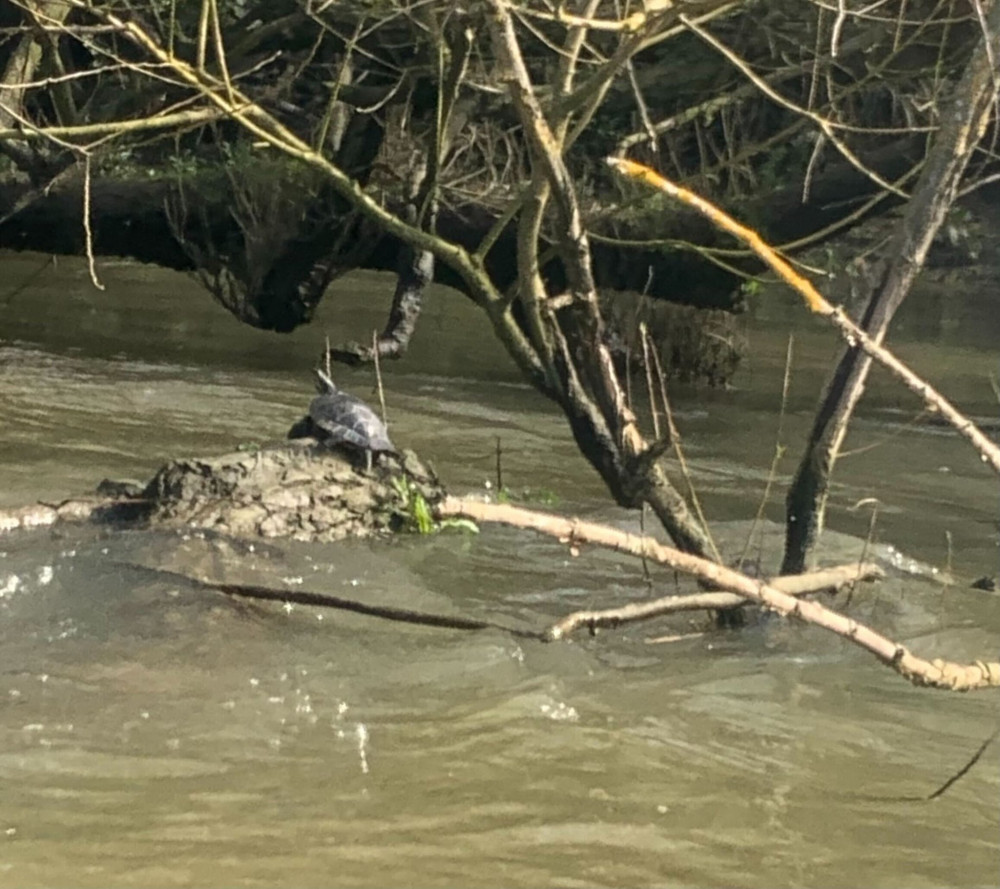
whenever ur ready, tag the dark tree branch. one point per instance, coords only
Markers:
(963, 124)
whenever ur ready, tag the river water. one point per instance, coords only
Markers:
(152, 734)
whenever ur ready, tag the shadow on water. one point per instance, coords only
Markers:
(156, 734)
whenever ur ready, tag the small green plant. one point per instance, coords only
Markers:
(418, 512)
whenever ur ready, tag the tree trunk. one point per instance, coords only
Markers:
(963, 125)
(22, 68)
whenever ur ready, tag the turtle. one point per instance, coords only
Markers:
(338, 418)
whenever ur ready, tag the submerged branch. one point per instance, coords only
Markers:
(385, 612)
(937, 674)
(826, 580)
(288, 597)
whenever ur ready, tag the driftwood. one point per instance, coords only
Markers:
(76, 509)
(936, 674)
(826, 580)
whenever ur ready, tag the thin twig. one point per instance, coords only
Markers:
(962, 772)
(203, 21)
(947, 572)
(646, 574)
(779, 451)
(87, 230)
(826, 125)
(674, 437)
(499, 466)
(869, 537)
(933, 795)
(378, 378)
(648, 367)
(220, 51)
(849, 330)
(325, 600)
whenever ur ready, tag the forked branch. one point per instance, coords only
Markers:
(936, 674)
(851, 332)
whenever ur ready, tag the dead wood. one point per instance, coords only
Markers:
(286, 597)
(936, 674)
(826, 580)
(963, 124)
(75, 509)
(855, 336)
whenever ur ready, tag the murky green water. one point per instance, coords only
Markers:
(154, 735)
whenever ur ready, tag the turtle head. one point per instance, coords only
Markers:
(324, 385)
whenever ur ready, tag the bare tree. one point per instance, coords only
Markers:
(490, 118)
(964, 117)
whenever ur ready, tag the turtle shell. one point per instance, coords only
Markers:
(341, 418)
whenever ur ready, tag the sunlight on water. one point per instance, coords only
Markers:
(153, 734)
